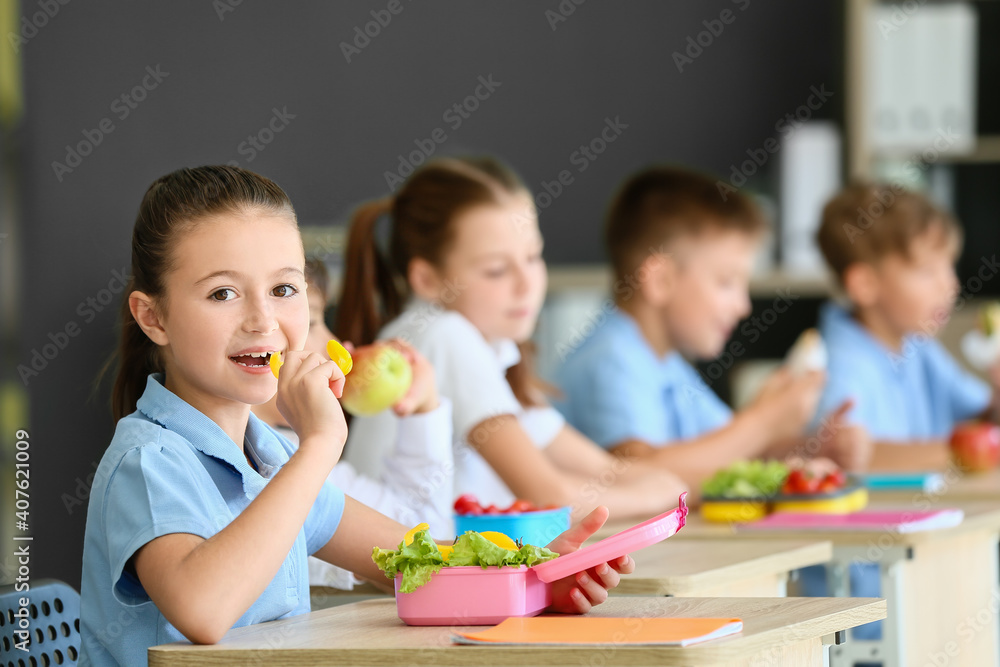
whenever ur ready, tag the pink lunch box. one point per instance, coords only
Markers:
(486, 596)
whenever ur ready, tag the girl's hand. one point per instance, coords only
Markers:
(577, 594)
(422, 395)
(308, 388)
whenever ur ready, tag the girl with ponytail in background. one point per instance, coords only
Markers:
(463, 282)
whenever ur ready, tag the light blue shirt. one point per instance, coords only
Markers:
(171, 469)
(616, 388)
(919, 393)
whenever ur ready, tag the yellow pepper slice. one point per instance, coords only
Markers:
(340, 356)
(408, 538)
(499, 539)
(338, 353)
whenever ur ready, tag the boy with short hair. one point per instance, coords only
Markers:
(893, 253)
(682, 253)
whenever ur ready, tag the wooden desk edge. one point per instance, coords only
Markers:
(814, 553)
(718, 651)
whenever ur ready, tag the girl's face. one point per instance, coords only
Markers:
(494, 273)
(235, 294)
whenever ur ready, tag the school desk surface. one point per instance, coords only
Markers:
(776, 631)
(718, 568)
(941, 586)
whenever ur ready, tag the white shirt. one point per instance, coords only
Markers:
(414, 485)
(470, 371)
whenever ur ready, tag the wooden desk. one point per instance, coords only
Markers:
(934, 582)
(777, 631)
(720, 568)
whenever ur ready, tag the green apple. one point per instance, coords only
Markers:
(380, 377)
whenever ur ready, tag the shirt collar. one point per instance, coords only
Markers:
(841, 325)
(164, 407)
(625, 321)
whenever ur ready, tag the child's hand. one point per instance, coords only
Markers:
(422, 395)
(789, 400)
(578, 593)
(308, 388)
(846, 443)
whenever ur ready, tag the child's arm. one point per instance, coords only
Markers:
(780, 411)
(918, 456)
(204, 586)
(633, 487)
(535, 476)
(361, 529)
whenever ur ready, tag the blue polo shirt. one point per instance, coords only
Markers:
(616, 388)
(171, 469)
(918, 393)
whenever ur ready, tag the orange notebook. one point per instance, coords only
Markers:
(569, 630)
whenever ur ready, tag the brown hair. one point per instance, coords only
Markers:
(171, 205)
(865, 222)
(317, 276)
(661, 203)
(374, 290)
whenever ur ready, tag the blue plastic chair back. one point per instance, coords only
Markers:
(51, 621)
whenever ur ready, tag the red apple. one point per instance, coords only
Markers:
(380, 377)
(975, 446)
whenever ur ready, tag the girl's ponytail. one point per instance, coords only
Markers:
(137, 357)
(370, 295)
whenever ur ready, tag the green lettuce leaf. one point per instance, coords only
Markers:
(416, 561)
(747, 479)
(422, 558)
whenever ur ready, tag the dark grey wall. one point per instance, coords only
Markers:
(351, 121)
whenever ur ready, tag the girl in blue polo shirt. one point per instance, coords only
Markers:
(201, 516)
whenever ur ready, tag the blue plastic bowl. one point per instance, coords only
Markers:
(537, 528)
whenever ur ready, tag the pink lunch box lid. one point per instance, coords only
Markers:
(631, 539)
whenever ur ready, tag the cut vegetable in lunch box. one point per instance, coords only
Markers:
(521, 520)
(749, 490)
(486, 577)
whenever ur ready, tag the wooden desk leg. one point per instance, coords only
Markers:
(943, 602)
(890, 649)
